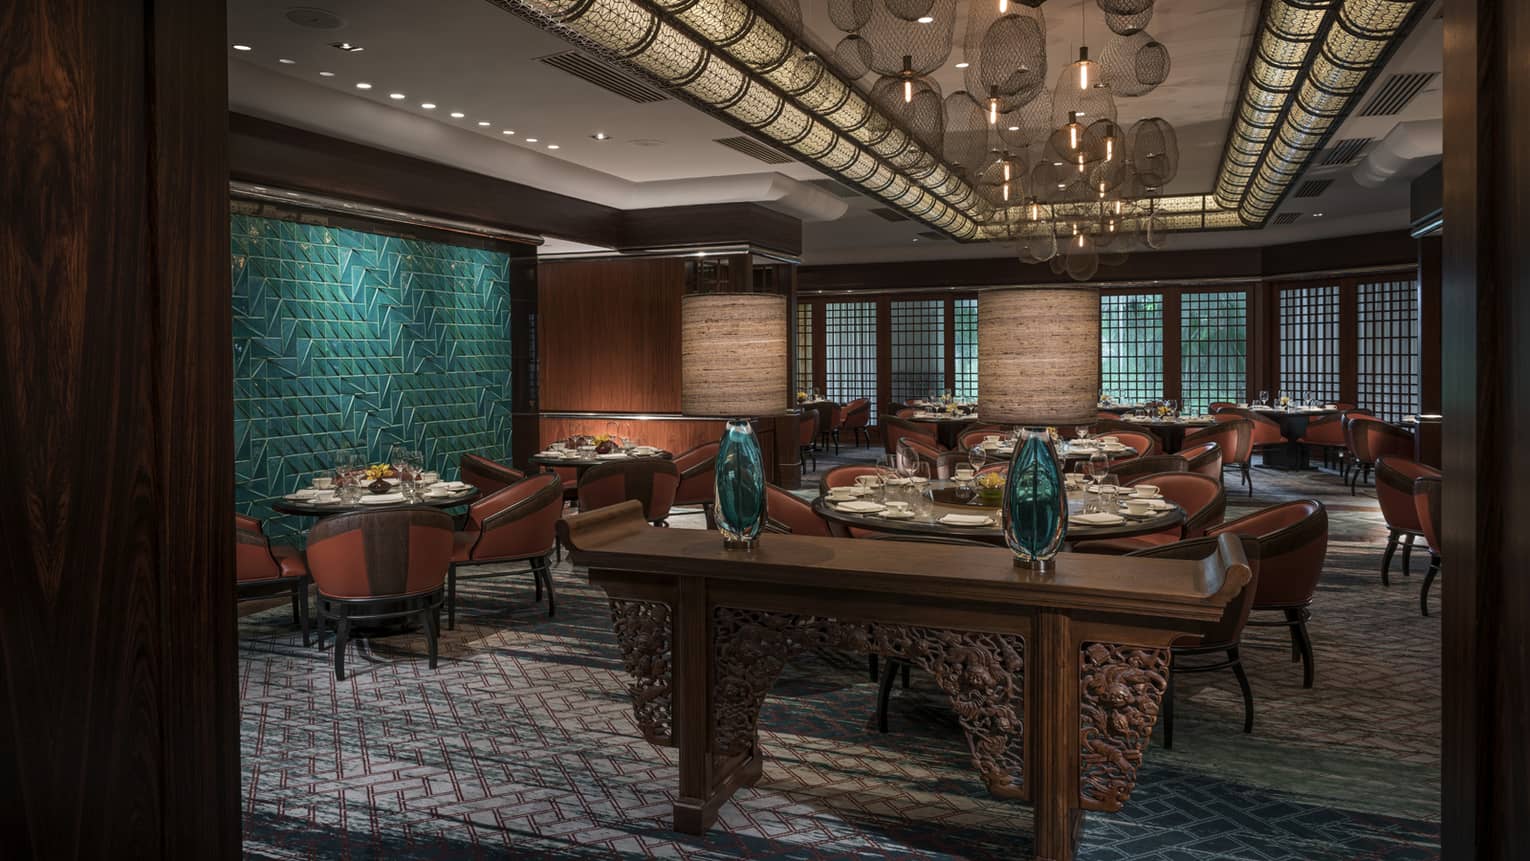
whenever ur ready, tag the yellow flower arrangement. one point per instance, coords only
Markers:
(802, 396)
(1162, 410)
(379, 470)
(991, 480)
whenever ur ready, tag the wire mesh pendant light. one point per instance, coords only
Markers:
(850, 15)
(1134, 65)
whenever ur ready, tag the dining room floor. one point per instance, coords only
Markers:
(522, 743)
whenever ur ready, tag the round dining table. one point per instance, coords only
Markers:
(991, 532)
(584, 462)
(1293, 426)
(1070, 453)
(303, 508)
(1171, 431)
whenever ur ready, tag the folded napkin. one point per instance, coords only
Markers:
(382, 499)
(861, 506)
(966, 520)
(615, 455)
(1100, 519)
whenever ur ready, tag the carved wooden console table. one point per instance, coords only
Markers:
(1056, 678)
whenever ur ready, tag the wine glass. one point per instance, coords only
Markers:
(1098, 466)
(1173, 406)
(1264, 397)
(908, 461)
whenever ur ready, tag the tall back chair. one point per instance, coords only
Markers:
(1369, 439)
(1145, 442)
(1225, 636)
(487, 475)
(516, 524)
(1426, 497)
(895, 429)
(1235, 436)
(830, 415)
(1325, 433)
(785, 512)
(974, 435)
(697, 466)
(807, 435)
(942, 464)
(843, 475)
(1394, 492)
(651, 482)
(857, 415)
(1293, 541)
(263, 569)
(1154, 464)
(1204, 458)
(380, 565)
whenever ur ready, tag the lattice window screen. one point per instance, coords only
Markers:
(850, 347)
(1309, 342)
(1213, 348)
(965, 386)
(918, 343)
(1131, 346)
(804, 347)
(1388, 371)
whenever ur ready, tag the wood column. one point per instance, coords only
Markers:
(1486, 401)
(1172, 346)
(117, 665)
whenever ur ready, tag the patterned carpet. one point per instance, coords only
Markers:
(522, 743)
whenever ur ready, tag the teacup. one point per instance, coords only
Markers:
(993, 437)
(429, 477)
(1137, 506)
(897, 505)
(323, 482)
(867, 480)
(841, 494)
(1110, 440)
(964, 474)
(1145, 491)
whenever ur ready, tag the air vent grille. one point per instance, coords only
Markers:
(606, 77)
(1313, 187)
(933, 234)
(1287, 217)
(754, 149)
(886, 214)
(1395, 93)
(1344, 152)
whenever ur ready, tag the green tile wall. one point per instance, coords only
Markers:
(349, 338)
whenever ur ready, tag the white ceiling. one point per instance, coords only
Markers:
(471, 57)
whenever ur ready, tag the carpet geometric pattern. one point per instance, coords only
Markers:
(522, 743)
(348, 339)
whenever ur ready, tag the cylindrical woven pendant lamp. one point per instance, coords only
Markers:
(1039, 355)
(733, 354)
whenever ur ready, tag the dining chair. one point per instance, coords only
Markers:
(516, 524)
(785, 512)
(857, 414)
(1325, 433)
(906, 413)
(1346, 459)
(487, 475)
(1235, 436)
(1145, 442)
(1204, 502)
(1293, 541)
(1395, 477)
(262, 569)
(1154, 464)
(1204, 458)
(895, 429)
(830, 416)
(383, 564)
(1264, 433)
(1220, 405)
(1427, 492)
(807, 435)
(698, 470)
(1223, 638)
(974, 436)
(1368, 439)
(840, 476)
(651, 482)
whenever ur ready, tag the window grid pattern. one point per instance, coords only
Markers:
(804, 347)
(850, 348)
(1309, 342)
(965, 386)
(1213, 348)
(917, 339)
(1131, 346)
(1388, 369)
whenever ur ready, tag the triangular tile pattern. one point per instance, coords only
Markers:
(346, 337)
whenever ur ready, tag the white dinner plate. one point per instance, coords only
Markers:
(892, 514)
(861, 506)
(382, 499)
(1101, 519)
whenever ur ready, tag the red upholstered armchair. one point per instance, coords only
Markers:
(264, 569)
(1427, 491)
(697, 466)
(651, 482)
(807, 432)
(1144, 442)
(843, 475)
(1235, 436)
(785, 512)
(487, 475)
(1204, 458)
(1325, 432)
(1369, 439)
(856, 416)
(1293, 541)
(1130, 470)
(1202, 498)
(942, 464)
(1225, 637)
(380, 565)
(1395, 477)
(516, 524)
(895, 429)
(830, 418)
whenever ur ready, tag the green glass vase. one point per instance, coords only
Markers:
(738, 489)
(1035, 509)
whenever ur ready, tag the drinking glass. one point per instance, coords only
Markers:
(1110, 495)
(1098, 466)
(977, 457)
(1173, 406)
(1264, 397)
(925, 499)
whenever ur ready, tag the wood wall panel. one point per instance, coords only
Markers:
(608, 335)
(117, 655)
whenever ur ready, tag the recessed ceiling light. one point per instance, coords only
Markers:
(429, 106)
(963, 64)
(926, 19)
(1014, 128)
(508, 132)
(457, 115)
(1317, 215)
(552, 146)
(531, 140)
(916, 239)
(397, 96)
(347, 47)
(326, 74)
(601, 136)
(241, 47)
(483, 122)
(363, 85)
(285, 62)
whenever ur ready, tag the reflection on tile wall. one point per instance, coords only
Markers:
(344, 338)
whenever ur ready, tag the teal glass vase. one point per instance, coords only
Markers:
(1035, 510)
(739, 486)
